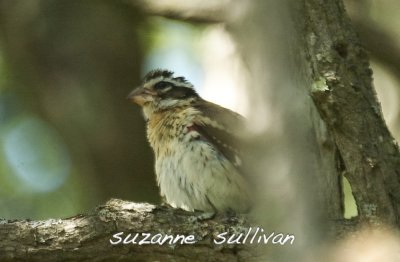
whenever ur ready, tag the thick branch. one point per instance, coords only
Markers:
(193, 11)
(87, 237)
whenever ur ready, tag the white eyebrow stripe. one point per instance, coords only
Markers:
(177, 83)
(167, 89)
(153, 81)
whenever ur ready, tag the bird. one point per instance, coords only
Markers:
(198, 162)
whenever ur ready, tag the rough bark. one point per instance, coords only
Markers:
(343, 93)
(87, 237)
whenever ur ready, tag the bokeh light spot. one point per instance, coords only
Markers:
(36, 155)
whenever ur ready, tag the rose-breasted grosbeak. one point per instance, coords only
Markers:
(197, 164)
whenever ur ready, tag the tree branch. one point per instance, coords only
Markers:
(381, 45)
(194, 11)
(87, 237)
(343, 93)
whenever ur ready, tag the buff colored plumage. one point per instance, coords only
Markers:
(197, 165)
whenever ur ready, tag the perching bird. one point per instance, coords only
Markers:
(198, 165)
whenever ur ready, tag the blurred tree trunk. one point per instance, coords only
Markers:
(302, 50)
(295, 157)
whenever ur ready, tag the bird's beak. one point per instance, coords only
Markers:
(140, 96)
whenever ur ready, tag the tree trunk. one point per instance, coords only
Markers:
(343, 93)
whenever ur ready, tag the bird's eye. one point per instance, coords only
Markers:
(161, 85)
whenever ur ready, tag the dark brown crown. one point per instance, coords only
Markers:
(163, 73)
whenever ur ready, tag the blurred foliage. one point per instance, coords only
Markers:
(69, 139)
(176, 46)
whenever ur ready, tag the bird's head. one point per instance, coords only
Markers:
(160, 90)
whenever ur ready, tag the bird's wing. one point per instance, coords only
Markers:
(223, 128)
